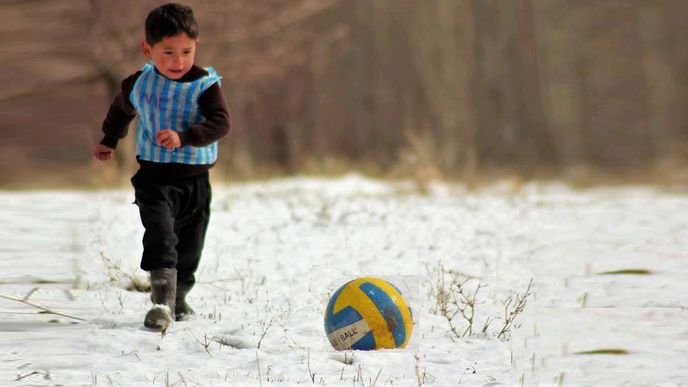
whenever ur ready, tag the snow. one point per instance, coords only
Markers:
(276, 250)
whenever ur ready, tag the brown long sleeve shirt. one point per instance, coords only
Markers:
(215, 125)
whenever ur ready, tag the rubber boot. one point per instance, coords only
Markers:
(183, 310)
(163, 293)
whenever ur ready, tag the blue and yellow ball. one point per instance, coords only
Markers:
(368, 313)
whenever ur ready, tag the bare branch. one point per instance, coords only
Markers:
(43, 309)
(510, 315)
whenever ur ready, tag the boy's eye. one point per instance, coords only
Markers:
(167, 52)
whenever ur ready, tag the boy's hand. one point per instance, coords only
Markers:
(168, 138)
(102, 152)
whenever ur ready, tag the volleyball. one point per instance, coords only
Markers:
(368, 313)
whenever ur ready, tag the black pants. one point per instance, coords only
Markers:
(175, 214)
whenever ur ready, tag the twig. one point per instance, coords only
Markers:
(46, 375)
(372, 384)
(42, 308)
(182, 378)
(287, 335)
(32, 291)
(206, 343)
(114, 272)
(267, 324)
(266, 327)
(455, 300)
(519, 306)
(132, 353)
(260, 378)
(311, 373)
(419, 376)
(102, 301)
(219, 280)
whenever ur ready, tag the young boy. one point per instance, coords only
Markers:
(182, 114)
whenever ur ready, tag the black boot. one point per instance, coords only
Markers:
(183, 310)
(163, 292)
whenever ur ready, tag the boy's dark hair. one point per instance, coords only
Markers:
(170, 20)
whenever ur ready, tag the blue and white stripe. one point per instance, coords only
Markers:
(166, 104)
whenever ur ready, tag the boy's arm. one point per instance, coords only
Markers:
(119, 116)
(216, 124)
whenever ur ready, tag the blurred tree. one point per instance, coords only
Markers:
(458, 86)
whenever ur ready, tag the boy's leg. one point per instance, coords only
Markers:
(191, 229)
(191, 240)
(163, 295)
(159, 254)
(159, 238)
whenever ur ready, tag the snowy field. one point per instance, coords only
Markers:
(607, 304)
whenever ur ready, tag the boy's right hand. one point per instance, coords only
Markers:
(102, 152)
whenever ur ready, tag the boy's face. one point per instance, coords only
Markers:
(173, 55)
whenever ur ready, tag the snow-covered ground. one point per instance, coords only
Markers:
(277, 250)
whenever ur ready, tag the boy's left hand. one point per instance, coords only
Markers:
(168, 138)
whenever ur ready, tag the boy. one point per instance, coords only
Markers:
(182, 114)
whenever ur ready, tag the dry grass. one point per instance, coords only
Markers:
(626, 272)
(669, 174)
(605, 351)
(457, 299)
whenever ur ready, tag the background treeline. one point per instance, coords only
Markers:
(449, 87)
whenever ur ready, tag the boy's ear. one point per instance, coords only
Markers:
(145, 49)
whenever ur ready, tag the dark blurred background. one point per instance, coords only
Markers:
(457, 89)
